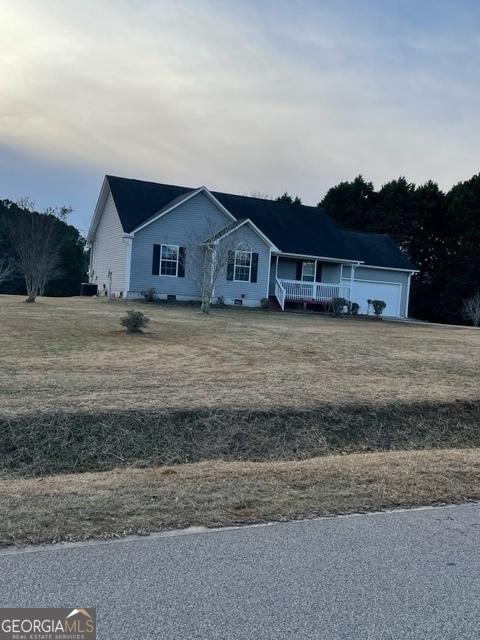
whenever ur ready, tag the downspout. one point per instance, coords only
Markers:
(352, 280)
(212, 270)
(128, 240)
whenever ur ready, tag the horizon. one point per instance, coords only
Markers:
(290, 97)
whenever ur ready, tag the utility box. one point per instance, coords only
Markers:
(88, 289)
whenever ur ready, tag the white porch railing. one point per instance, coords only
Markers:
(280, 293)
(300, 291)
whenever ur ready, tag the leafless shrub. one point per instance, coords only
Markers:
(7, 269)
(471, 309)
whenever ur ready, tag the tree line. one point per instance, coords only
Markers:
(40, 253)
(439, 231)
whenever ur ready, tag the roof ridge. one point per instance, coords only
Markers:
(215, 192)
(157, 184)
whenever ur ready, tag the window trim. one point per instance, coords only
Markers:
(169, 275)
(250, 252)
(314, 262)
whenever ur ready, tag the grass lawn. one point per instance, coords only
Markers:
(128, 501)
(262, 393)
(71, 354)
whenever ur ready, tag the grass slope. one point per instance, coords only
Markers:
(127, 501)
(71, 442)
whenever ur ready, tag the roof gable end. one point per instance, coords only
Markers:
(176, 202)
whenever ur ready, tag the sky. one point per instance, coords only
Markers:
(244, 97)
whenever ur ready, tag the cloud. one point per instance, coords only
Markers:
(241, 96)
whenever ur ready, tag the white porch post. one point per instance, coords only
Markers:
(276, 269)
(315, 284)
(352, 276)
(408, 295)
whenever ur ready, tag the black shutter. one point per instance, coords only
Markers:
(299, 270)
(156, 260)
(318, 272)
(230, 265)
(254, 269)
(181, 262)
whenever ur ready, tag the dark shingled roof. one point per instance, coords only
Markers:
(377, 249)
(294, 229)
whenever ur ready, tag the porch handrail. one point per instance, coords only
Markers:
(280, 293)
(304, 291)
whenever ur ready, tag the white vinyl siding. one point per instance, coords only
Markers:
(109, 251)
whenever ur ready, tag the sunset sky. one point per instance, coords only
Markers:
(240, 96)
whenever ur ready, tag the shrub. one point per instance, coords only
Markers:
(471, 309)
(378, 307)
(150, 294)
(265, 303)
(221, 301)
(354, 308)
(338, 305)
(134, 321)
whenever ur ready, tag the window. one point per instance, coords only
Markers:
(243, 263)
(308, 272)
(169, 260)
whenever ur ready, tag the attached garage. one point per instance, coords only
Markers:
(389, 292)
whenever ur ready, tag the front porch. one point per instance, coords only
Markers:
(309, 281)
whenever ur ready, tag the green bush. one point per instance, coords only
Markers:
(338, 305)
(378, 307)
(265, 303)
(134, 321)
(354, 308)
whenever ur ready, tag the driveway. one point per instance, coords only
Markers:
(406, 574)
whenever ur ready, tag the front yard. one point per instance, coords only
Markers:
(222, 419)
(71, 355)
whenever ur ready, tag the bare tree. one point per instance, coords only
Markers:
(36, 242)
(471, 309)
(207, 256)
(7, 269)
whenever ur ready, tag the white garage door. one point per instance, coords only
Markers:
(364, 290)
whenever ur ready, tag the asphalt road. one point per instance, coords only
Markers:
(395, 575)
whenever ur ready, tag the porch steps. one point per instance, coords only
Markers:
(273, 304)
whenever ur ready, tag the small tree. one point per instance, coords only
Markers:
(338, 305)
(286, 198)
(471, 309)
(206, 258)
(134, 321)
(35, 239)
(378, 307)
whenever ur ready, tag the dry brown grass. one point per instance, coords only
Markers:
(126, 501)
(71, 354)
